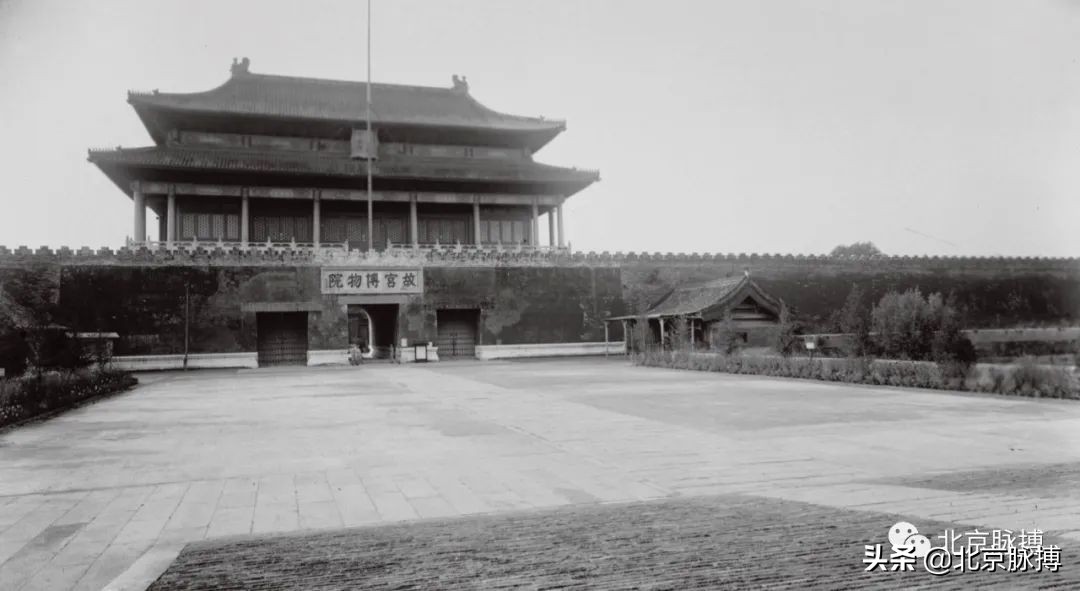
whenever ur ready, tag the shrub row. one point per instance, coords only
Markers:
(1026, 378)
(30, 396)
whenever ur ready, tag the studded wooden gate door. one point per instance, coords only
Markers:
(457, 333)
(282, 338)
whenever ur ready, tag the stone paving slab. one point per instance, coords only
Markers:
(202, 455)
(701, 543)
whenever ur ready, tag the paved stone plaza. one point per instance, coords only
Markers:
(112, 491)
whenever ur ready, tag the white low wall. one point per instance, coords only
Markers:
(328, 357)
(341, 356)
(195, 361)
(548, 350)
(408, 354)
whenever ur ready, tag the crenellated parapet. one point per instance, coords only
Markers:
(225, 254)
(231, 255)
(820, 258)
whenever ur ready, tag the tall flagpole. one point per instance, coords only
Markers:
(371, 143)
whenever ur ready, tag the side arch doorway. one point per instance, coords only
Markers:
(458, 333)
(282, 338)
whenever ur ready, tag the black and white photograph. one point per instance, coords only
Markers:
(539, 294)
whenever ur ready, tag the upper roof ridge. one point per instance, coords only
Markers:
(342, 82)
(249, 93)
(242, 68)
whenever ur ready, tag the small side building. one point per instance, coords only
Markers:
(708, 311)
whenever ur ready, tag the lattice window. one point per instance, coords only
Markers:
(232, 227)
(395, 230)
(357, 229)
(332, 230)
(258, 229)
(302, 229)
(187, 226)
(217, 227)
(273, 228)
(288, 230)
(202, 226)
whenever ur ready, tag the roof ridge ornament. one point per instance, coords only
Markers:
(461, 83)
(240, 67)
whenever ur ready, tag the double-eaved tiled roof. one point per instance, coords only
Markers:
(292, 97)
(324, 164)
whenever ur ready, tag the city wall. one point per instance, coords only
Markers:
(524, 297)
(995, 292)
(145, 296)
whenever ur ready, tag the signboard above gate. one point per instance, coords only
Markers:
(371, 281)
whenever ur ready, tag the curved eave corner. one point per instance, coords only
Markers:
(146, 112)
(114, 173)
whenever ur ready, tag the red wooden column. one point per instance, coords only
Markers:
(170, 216)
(316, 223)
(534, 238)
(476, 219)
(139, 231)
(414, 224)
(562, 237)
(551, 226)
(244, 215)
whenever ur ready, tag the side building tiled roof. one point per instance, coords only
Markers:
(707, 299)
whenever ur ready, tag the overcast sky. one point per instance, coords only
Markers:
(927, 127)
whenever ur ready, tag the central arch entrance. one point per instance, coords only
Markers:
(373, 326)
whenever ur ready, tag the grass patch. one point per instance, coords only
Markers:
(1025, 378)
(30, 396)
(721, 542)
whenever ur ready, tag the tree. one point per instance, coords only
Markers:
(903, 324)
(642, 339)
(910, 326)
(14, 351)
(856, 249)
(949, 347)
(678, 333)
(787, 337)
(726, 338)
(27, 305)
(853, 318)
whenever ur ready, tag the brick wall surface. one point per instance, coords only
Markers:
(523, 296)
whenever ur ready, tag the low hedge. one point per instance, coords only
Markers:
(32, 395)
(1026, 378)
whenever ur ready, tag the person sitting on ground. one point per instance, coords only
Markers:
(356, 353)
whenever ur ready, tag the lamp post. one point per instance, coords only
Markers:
(371, 144)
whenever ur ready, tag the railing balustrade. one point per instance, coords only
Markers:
(339, 248)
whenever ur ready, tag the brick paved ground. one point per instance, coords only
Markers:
(716, 542)
(1053, 481)
(187, 457)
